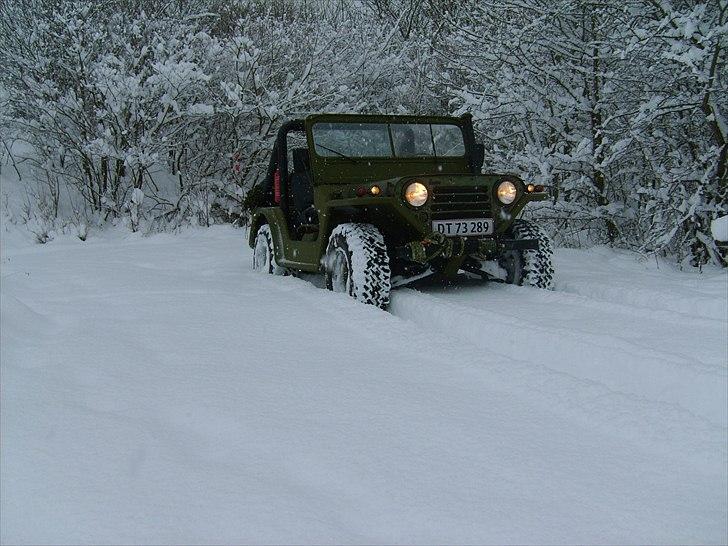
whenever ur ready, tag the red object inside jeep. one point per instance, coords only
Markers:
(277, 186)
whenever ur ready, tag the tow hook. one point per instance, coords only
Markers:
(437, 245)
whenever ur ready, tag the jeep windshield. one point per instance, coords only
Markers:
(388, 140)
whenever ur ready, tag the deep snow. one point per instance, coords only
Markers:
(154, 390)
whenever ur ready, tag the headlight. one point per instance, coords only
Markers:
(507, 192)
(416, 194)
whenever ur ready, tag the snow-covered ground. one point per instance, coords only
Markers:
(154, 390)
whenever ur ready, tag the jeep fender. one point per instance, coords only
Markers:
(258, 220)
(272, 216)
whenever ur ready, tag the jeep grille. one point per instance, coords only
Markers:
(449, 202)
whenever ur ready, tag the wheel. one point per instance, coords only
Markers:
(357, 263)
(264, 258)
(529, 267)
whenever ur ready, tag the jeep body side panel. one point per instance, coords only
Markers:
(300, 255)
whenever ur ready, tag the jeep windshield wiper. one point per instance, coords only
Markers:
(336, 152)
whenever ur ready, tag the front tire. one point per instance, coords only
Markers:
(529, 267)
(356, 263)
(264, 257)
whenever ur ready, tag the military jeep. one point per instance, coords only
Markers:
(377, 201)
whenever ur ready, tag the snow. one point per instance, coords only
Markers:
(204, 109)
(719, 228)
(155, 390)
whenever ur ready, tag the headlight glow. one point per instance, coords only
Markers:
(416, 194)
(507, 192)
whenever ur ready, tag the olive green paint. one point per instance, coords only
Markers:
(336, 180)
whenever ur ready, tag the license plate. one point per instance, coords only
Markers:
(463, 227)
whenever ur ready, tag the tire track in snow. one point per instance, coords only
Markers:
(610, 341)
(623, 278)
(667, 426)
(626, 354)
(654, 302)
(664, 426)
(562, 294)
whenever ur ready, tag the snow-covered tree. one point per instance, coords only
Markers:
(619, 107)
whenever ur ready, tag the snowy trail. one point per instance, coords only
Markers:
(608, 346)
(584, 375)
(155, 390)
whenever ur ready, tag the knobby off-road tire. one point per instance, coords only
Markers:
(529, 267)
(264, 257)
(356, 263)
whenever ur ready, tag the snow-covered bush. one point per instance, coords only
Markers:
(618, 107)
(719, 229)
(102, 94)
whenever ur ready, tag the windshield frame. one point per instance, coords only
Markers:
(340, 155)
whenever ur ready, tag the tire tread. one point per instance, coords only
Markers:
(538, 268)
(370, 270)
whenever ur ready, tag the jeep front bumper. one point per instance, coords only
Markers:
(437, 246)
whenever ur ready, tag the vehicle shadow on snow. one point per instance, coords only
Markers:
(439, 284)
(433, 284)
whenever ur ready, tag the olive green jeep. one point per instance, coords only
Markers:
(377, 201)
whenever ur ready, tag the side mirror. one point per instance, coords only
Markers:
(478, 157)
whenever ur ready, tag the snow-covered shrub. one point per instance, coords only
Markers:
(618, 107)
(719, 229)
(133, 206)
(102, 93)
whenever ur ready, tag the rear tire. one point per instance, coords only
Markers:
(529, 267)
(357, 263)
(264, 256)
